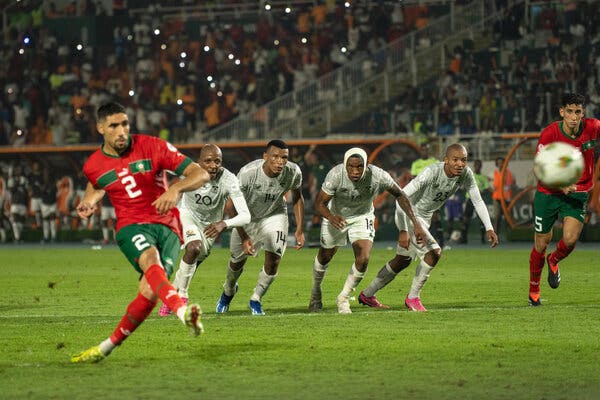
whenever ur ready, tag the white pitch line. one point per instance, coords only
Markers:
(111, 318)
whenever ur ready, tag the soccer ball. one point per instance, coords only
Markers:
(558, 165)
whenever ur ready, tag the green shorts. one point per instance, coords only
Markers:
(547, 208)
(134, 239)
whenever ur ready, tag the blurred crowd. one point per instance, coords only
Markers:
(179, 75)
(536, 54)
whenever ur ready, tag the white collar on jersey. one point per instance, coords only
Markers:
(356, 151)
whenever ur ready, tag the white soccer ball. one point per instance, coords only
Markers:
(558, 165)
(455, 235)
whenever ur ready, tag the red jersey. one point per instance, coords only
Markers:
(586, 140)
(134, 180)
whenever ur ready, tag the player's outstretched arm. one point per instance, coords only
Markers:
(237, 209)
(87, 205)
(195, 176)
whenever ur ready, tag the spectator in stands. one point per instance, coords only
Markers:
(502, 193)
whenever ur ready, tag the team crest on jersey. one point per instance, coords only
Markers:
(189, 233)
(142, 166)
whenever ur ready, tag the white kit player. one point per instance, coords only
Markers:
(264, 183)
(428, 192)
(201, 212)
(346, 204)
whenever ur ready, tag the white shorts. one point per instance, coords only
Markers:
(107, 213)
(36, 204)
(357, 228)
(48, 210)
(193, 229)
(417, 250)
(269, 233)
(18, 209)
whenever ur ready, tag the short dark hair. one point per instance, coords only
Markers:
(572, 98)
(108, 109)
(277, 143)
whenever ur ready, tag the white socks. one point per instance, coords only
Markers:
(231, 279)
(352, 281)
(384, 276)
(318, 275)
(107, 346)
(183, 277)
(421, 275)
(264, 281)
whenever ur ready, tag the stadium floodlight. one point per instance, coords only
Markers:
(288, 10)
(21, 51)
(179, 102)
(267, 7)
(209, 78)
(183, 54)
(163, 46)
(157, 31)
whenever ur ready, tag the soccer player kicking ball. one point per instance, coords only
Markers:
(428, 192)
(128, 168)
(264, 183)
(570, 202)
(346, 204)
(202, 217)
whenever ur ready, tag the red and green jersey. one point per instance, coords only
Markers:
(586, 140)
(136, 178)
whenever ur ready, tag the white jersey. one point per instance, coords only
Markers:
(353, 199)
(264, 195)
(206, 203)
(429, 190)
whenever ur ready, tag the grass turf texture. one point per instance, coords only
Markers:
(479, 338)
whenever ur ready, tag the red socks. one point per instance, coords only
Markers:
(536, 264)
(561, 252)
(159, 283)
(137, 311)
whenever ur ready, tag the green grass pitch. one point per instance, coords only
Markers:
(479, 339)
